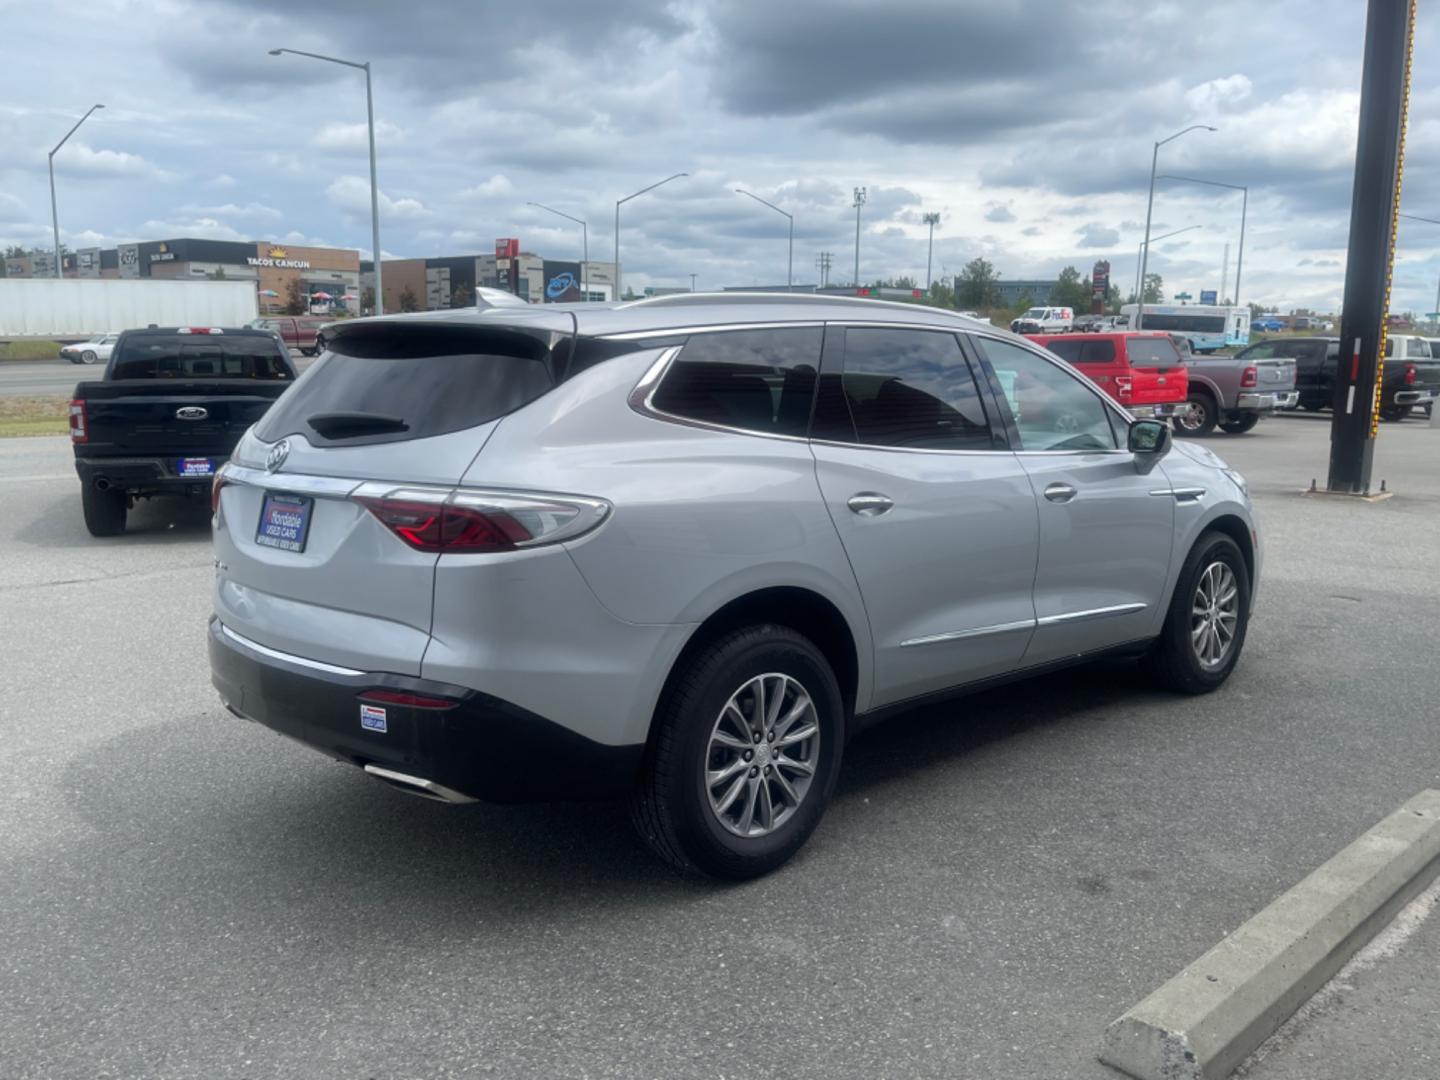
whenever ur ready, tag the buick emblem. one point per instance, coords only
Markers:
(191, 412)
(277, 455)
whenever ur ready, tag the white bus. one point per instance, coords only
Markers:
(1207, 326)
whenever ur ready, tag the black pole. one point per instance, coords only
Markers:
(1379, 157)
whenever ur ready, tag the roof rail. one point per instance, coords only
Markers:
(708, 299)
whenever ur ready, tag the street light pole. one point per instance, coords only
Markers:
(55, 213)
(1149, 207)
(1244, 207)
(584, 243)
(626, 199)
(374, 185)
(790, 251)
(932, 220)
(859, 202)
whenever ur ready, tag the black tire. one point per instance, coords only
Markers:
(1172, 659)
(88, 356)
(1313, 404)
(1241, 424)
(104, 510)
(1199, 417)
(1395, 413)
(671, 807)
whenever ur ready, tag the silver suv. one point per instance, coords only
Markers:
(681, 550)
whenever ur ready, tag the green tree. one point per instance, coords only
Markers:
(15, 251)
(408, 300)
(219, 274)
(1070, 291)
(462, 297)
(297, 300)
(367, 298)
(941, 295)
(1024, 304)
(1112, 299)
(975, 286)
(1154, 289)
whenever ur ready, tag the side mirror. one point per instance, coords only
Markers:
(1149, 437)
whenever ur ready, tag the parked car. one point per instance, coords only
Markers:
(167, 412)
(303, 332)
(1141, 370)
(1407, 382)
(95, 350)
(1044, 320)
(1267, 323)
(1234, 393)
(681, 552)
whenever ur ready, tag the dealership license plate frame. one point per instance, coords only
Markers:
(195, 467)
(276, 537)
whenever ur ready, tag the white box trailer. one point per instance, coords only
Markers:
(70, 308)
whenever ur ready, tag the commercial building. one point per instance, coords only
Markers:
(439, 282)
(328, 277)
(1010, 293)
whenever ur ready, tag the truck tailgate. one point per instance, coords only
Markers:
(1157, 385)
(145, 417)
(1277, 374)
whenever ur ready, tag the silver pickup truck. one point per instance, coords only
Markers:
(1233, 392)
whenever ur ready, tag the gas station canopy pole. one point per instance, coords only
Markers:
(1375, 202)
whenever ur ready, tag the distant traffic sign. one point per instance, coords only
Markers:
(1182, 296)
(1207, 296)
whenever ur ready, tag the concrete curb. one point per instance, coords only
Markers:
(1205, 1021)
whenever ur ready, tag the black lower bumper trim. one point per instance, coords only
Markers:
(482, 747)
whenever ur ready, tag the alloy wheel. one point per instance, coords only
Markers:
(762, 755)
(1193, 416)
(1214, 615)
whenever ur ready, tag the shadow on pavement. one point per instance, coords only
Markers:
(166, 520)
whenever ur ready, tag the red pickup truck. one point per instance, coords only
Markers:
(1142, 371)
(303, 332)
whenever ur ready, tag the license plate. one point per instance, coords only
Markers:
(284, 521)
(195, 466)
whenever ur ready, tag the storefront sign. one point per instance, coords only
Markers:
(128, 256)
(278, 258)
(163, 254)
(562, 282)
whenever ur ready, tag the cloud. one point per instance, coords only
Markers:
(998, 212)
(80, 159)
(356, 136)
(1097, 236)
(202, 228)
(499, 184)
(352, 194)
(250, 211)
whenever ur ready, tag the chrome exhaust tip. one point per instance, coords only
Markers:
(417, 785)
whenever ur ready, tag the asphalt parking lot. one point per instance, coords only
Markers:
(183, 894)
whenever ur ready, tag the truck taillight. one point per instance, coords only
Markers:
(1409, 374)
(474, 522)
(78, 432)
(1250, 377)
(1124, 384)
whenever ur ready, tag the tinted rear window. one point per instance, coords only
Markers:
(199, 356)
(434, 380)
(1151, 352)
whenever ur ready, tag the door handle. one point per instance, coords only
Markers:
(870, 503)
(1060, 493)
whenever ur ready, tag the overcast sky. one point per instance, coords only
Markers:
(1027, 125)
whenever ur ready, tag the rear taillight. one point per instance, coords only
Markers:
(1250, 377)
(1409, 374)
(1124, 384)
(215, 486)
(473, 522)
(78, 431)
(402, 697)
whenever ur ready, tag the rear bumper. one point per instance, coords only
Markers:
(1414, 397)
(1158, 412)
(147, 474)
(1260, 401)
(480, 748)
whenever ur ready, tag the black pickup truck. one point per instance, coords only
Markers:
(1409, 381)
(169, 410)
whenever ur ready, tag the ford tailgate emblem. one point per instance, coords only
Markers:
(191, 412)
(277, 455)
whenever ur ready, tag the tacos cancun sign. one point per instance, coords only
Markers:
(278, 257)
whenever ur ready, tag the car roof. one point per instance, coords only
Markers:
(694, 311)
(236, 331)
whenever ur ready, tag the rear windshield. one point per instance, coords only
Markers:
(199, 356)
(1150, 352)
(393, 383)
(1083, 350)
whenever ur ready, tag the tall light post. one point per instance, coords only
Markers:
(931, 219)
(790, 251)
(618, 203)
(859, 202)
(1150, 206)
(1140, 252)
(54, 213)
(584, 244)
(374, 188)
(1244, 207)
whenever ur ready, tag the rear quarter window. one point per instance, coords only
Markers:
(431, 379)
(758, 380)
